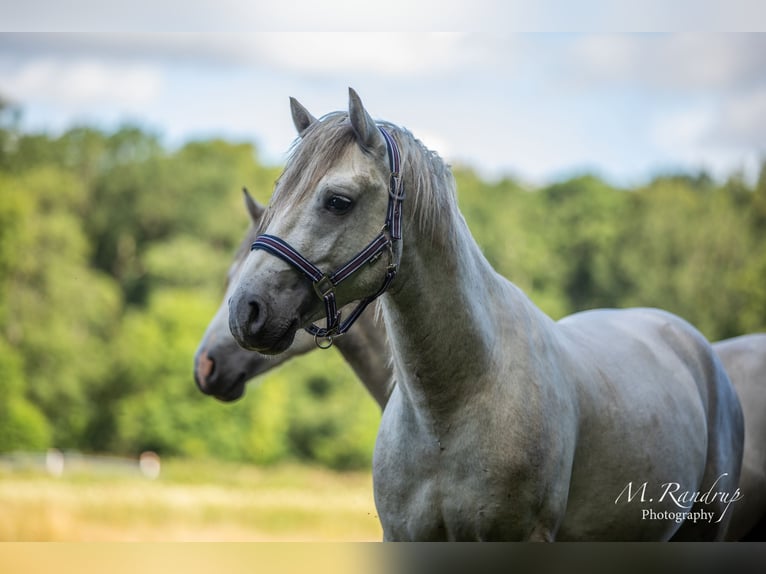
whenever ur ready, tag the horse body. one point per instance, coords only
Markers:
(507, 425)
(366, 349)
(745, 361)
(503, 424)
(656, 409)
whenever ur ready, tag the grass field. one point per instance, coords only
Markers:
(189, 501)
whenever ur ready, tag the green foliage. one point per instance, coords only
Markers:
(22, 425)
(57, 310)
(332, 419)
(156, 405)
(113, 252)
(702, 241)
(579, 222)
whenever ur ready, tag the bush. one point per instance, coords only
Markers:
(23, 426)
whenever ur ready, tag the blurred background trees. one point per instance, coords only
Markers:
(113, 251)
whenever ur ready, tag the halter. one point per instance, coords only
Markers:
(324, 284)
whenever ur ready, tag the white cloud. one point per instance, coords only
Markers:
(714, 137)
(679, 133)
(82, 82)
(742, 121)
(678, 62)
(347, 15)
(260, 15)
(389, 54)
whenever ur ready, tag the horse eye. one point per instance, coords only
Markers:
(338, 204)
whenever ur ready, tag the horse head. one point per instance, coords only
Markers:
(310, 259)
(221, 367)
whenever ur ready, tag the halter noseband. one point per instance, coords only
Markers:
(324, 284)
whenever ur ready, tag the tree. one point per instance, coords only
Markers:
(581, 219)
(56, 311)
(685, 248)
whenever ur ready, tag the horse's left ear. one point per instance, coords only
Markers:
(254, 208)
(367, 134)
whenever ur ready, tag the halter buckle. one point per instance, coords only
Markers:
(394, 186)
(323, 287)
(392, 265)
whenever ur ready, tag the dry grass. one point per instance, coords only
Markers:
(189, 502)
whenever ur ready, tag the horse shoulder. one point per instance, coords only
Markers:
(480, 477)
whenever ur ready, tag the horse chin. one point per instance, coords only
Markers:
(233, 393)
(274, 342)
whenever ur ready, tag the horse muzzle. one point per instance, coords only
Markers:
(214, 375)
(256, 326)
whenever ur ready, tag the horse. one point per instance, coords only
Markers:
(222, 367)
(744, 359)
(503, 424)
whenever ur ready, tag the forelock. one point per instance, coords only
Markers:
(310, 158)
(430, 191)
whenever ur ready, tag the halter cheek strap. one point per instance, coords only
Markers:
(324, 284)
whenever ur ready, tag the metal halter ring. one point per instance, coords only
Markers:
(327, 338)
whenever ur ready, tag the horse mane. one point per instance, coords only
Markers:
(429, 184)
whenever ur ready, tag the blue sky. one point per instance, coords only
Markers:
(537, 106)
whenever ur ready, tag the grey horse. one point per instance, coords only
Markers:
(503, 424)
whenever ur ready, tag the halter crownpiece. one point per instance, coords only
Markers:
(324, 284)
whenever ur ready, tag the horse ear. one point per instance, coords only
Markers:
(367, 133)
(254, 208)
(302, 119)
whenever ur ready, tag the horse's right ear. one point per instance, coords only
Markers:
(254, 208)
(302, 119)
(367, 132)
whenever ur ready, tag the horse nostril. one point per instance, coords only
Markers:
(256, 316)
(246, 319)
(255, 311)
(204, 371)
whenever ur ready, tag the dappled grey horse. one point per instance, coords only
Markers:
(222, 368)
(503, 424)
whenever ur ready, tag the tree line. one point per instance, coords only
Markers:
(114, 249)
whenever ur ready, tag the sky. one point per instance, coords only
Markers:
(538, 105)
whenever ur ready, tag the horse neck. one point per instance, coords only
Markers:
(450, 317)
(365, 348)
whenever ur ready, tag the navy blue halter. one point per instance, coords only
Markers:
(324, 283)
